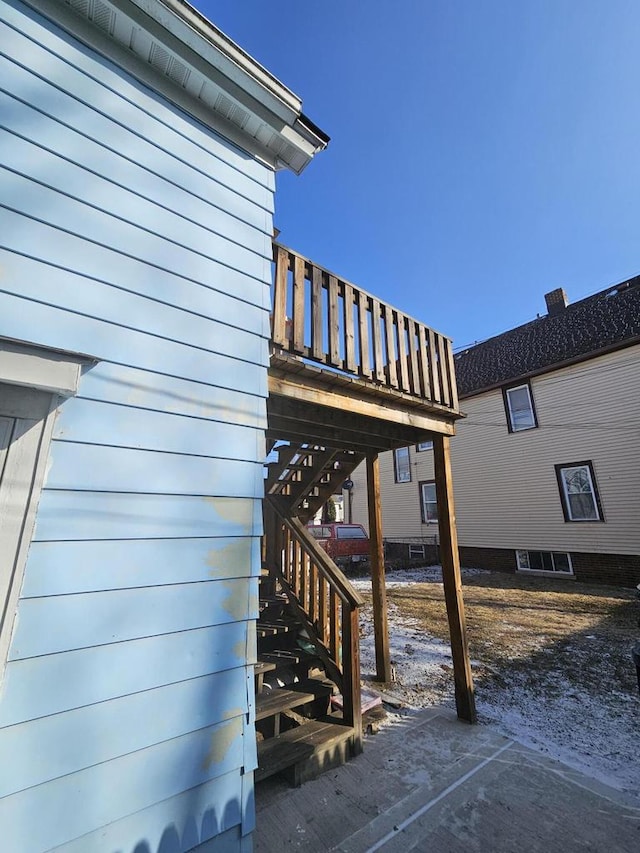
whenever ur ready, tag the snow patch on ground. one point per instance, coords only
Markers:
(599, 735)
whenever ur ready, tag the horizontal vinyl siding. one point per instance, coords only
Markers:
(506, 489)
(132, 233)
(401, 512)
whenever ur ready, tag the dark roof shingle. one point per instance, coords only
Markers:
(603, 321)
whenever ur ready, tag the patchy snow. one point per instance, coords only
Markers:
(598, 735)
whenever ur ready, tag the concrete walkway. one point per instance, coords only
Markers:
(430, 783)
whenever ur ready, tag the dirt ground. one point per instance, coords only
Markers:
(551, 661)
(537, 627)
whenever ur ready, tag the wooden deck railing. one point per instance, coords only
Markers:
(322, 318)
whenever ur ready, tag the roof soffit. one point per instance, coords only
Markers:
(185, 58)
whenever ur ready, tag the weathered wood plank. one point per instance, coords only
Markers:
(414, 375)
(434, 378)
(362, 302)
(349, 330)
(451, 375)
(402, 354)
(442, 370)
(390, 337)
(377, 341)
(334, 324)
(378, 588)
(423, 360)
(279, 322)
(297, 343)
(449, 555)
(352, 709)
(317, 324)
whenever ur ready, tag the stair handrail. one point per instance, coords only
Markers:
(334, 576)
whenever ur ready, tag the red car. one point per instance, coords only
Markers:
(344, 543)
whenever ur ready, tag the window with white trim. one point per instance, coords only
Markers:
(579, 492)
(428, 502)
(401, 465)
(416, 552)
(518, 402)
(544, 561)
(424, 445)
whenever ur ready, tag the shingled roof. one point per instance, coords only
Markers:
(602, 322)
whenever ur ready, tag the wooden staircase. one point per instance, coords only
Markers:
(305, 476)
(299, 734)
(307, 632)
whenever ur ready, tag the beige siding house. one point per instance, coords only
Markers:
(547, 462)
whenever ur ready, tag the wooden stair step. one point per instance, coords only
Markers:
(262, 666)
(270, 629)
(301, 746)
(285, 656)
(271, 702)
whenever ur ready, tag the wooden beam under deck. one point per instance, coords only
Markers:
(387, 407)
(299, 410)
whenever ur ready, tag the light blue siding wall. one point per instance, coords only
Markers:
(130, 232)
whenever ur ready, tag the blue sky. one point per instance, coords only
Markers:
(483, 152)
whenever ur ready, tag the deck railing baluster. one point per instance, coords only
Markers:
(362, 336)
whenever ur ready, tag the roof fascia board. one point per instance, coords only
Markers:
(203, 37)
(273, 108)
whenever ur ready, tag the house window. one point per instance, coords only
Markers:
(416, 552)
(518, 404)
(401, 465)
(578, 492)
(424, 445)
(428, 503)
(544, 561)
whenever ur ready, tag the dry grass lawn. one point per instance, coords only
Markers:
(537, 627)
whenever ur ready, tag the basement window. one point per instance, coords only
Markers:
(555, 562)
(416, 552)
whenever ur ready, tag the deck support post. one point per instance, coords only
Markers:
(450, 558)
(352, 706)
(378, 589)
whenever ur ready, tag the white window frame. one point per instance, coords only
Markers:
(423, 503)
(402, 471)
(424, 445)
(523, 562)
(416, 548)
(513, 427)
(567, 507)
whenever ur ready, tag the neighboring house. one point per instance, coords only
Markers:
(546, 465)
(138, 153)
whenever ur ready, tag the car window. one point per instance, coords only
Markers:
(347, 532)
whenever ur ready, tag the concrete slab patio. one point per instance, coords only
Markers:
(427, 782)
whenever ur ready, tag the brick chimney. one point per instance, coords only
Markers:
(556, 301)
